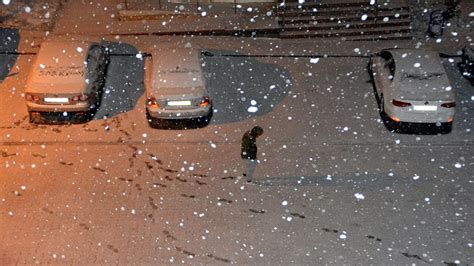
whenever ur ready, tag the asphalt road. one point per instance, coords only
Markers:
(333, 187)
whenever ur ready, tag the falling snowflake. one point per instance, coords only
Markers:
(417, 65)
(6, 2)
(284, 203)
(79, 49)
(314, 60)
(359, 196)
(364, 17)
(252, 109)
(458, 165)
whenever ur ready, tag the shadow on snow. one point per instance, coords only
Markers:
(9, 41)
(242, 87)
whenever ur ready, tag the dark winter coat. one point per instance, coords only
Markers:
(249, 147)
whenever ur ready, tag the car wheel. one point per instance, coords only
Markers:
(152, 122)
(35, 119)
(446, 128)
(387, 121)
(31, 118)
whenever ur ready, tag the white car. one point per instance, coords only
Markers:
(175, 86)
(65, 80)
(412, 86)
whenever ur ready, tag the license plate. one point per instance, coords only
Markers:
(425, 107)
(56, 100)
(179, 103)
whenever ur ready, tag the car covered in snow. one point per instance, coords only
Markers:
(65, 80)
(411, 85)
(175, 86)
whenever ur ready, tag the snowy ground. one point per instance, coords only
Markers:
(333, 187)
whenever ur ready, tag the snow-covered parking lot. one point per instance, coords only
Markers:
(333, 186)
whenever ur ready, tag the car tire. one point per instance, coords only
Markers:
(446, 128)
(34, 119)
(31, 118)
(152, 122)
(387, 121)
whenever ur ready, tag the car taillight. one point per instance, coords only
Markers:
(400, 103)
(449, 105)
(80, 98)
(151, 102)
(204, 101)
(32, 98)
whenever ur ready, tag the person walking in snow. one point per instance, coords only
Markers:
(249, 150)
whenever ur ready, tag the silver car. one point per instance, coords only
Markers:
(412, 86)
(175, 86)
(65, 80)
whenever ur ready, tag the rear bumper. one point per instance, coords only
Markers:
(398, 114)
(56, 108)
(179, 114)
